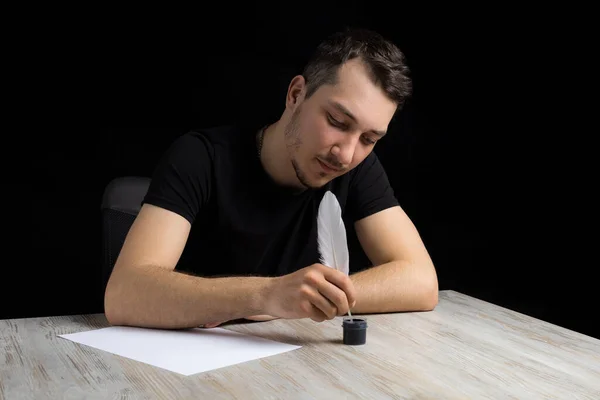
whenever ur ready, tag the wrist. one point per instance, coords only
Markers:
(262, 302)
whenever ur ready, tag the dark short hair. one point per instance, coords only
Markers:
(383, 59)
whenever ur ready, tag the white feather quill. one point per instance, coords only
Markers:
(331, 232)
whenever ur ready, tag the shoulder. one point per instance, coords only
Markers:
(363, 175)
(206, 137)
(365, 170)
(224, 136)
(204, 144)
(183, 179)
(350, 184)
(367, 189)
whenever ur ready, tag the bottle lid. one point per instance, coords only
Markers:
(355, 331)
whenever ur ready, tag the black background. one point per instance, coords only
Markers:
(484, 158)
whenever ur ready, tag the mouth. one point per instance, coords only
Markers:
(327, 168)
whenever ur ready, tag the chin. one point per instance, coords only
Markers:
(321, 180)
(313, 176)
(312, 182)
(315, 184)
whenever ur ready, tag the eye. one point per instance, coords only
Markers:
(335, 122)
(369, 141)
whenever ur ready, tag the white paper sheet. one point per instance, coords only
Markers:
(186, 352)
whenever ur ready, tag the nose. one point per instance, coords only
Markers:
(344, 150)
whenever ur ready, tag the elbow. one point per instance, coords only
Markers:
(112, 309)
(110, 314)
(430, 293)
(111, 318)
(430, 299)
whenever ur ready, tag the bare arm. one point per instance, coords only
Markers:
(144, 290)
(403, 277)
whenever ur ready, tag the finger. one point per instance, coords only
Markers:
(342, 281)
(260, 318)
(335, 295)
(319, 301)
(317, 315)
(212, 324)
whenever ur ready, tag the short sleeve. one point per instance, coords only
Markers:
(370, 190)
(181, 181)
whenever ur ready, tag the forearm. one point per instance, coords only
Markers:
(395, 287)
(159, 298)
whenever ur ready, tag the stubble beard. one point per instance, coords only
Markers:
(293, 143)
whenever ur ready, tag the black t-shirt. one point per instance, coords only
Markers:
(242, 222)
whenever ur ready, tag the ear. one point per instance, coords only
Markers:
(296, 92)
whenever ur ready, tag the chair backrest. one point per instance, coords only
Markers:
(121, 203)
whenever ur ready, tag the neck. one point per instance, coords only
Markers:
(274, 157)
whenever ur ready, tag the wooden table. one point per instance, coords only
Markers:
(464, 349)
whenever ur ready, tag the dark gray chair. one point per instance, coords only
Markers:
(121, 203)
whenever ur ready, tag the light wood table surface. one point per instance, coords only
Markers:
(464, 349)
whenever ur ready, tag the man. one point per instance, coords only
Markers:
(227, 229)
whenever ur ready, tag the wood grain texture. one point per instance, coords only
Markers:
(464, 349)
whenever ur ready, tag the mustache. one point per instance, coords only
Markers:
(334, 162)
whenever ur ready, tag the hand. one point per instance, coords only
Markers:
(316, 292)
(211, 325)
(261, 318)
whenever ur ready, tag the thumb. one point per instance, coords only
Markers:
(212, 324)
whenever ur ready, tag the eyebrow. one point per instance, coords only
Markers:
(344, 110)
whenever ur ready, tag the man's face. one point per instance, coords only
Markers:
(337, 127)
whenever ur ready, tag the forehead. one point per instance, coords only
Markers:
(359, 95)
